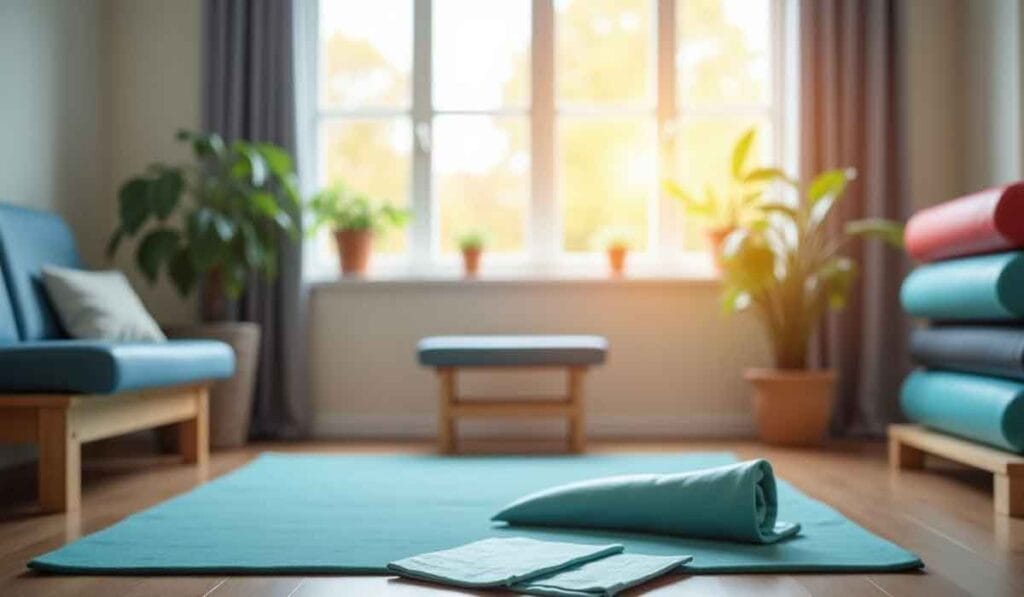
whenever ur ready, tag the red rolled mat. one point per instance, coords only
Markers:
(985, 222)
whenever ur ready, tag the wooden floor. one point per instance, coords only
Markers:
(944, 514)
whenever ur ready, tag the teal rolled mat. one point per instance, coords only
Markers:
(987, 287)
(736, 502)
(986, 409)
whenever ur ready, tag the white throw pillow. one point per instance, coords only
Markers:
(99, 305)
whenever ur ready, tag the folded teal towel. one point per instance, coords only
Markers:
(498, 562)
(538, 567)
(735, 502)
(606, 576)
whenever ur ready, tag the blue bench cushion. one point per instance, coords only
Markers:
(512, 351)
(103, 367)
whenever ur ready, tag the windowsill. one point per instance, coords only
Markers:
(691, 272)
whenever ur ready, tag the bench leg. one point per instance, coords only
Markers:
(903, 456)
(60, 462)
(194, 434)
(577, 431)
(1009, 494)
(445, 421)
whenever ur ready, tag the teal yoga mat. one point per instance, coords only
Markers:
(986, 409)
(309, 514)
(987, 287)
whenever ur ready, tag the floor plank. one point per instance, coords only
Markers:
(943, 513)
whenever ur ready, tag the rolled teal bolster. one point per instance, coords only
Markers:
(736, 502)
(987, 287)
(986, 409)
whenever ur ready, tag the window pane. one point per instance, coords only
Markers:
(365, 53)
(372, 156)
(704, 159)
(724, 51)
(482, 179)
(606, 172)
(481, 54)
(604, 51)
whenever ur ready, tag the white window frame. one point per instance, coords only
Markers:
(543, 252)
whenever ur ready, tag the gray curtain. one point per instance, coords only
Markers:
(249, 93)
(850, 117)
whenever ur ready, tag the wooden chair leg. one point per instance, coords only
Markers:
(577, 431)
(445, 421)
(194, 434)
(60, 461)
(1009, 494)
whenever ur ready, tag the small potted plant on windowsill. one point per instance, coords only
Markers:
(354, 218)
(212, 224)
(725, 209)
(789, 268)
(472, 245)
(616, 242)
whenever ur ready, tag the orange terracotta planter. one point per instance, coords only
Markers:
(617, 260)
(792, 407)
(354, 248)
(715, 238)
(471, 262)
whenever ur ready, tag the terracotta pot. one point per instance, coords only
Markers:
(617, 260)
(792, 407)
(354, 248)
(715, 238)
(471, 261)
(230, 399)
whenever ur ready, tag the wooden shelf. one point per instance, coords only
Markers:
(908, 445)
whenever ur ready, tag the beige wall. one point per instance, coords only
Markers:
(963, 106)
(673, 368)
(50, 108)
(151, 80)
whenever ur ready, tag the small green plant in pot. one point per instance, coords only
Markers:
(789, 268)
(616, 242)
(212, 224)
(472, 245)
(354, 218)
(724, 209)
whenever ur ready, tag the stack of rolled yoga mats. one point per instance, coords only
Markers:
(970, 285)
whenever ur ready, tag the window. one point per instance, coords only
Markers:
(544, 123)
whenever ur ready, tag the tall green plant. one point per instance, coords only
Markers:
(730, 205)
(790, 267)
(219, 217)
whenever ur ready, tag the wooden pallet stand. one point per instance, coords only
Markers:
(908, 445)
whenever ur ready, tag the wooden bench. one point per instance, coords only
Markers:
(908, 445)
(450, 354)
(59, 425)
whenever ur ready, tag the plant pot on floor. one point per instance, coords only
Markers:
(354, 247)
(230, 399)
(792, 407)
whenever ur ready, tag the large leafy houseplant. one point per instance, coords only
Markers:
(216, 220)
(734, 203)
(214, 223)
(354, 218)
(789, 265)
